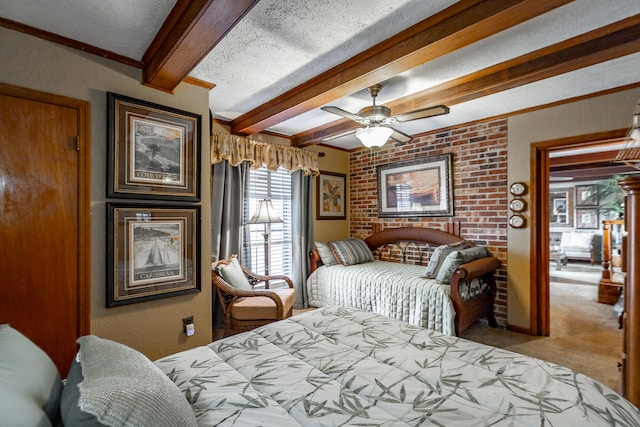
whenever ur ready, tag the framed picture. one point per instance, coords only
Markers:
(587, 218)
(421, 187)
(586, 195)
(153, 252)
(330, 195)
(560, 207)
(154, 151)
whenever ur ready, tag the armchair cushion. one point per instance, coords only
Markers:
(263, 308)
(232, 274)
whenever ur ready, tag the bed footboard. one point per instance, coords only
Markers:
(469, 310)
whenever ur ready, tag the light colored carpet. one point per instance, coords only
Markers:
(584, 334)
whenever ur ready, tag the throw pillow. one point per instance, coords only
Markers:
(457, 258)
(30, 384)
(232, 274)
(439, 255)
(326, 255)
(114, 385)
(351, 251)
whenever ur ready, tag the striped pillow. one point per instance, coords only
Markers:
(351, 251)
(440, 253)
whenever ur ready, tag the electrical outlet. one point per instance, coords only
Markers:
(188, 327)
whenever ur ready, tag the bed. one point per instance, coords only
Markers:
(326, 367)
(391, 286)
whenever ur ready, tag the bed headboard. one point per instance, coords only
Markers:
(407, 240)
(408, 244)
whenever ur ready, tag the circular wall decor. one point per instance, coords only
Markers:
(516, 221)
(518, 205)
(518, 189)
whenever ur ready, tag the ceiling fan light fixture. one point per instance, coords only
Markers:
(375, 136)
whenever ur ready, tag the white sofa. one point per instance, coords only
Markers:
(582, 245)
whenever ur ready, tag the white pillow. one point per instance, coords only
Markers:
(326, 256)
(120, 386)
(232, 274)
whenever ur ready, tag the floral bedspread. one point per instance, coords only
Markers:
(337, 366)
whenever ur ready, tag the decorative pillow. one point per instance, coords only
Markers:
(439, 255)
(326, 255)
(351, 251)
(457, 258)
(232, 274)
(30, 384)
(114, 385)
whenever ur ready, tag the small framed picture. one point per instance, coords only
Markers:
(153, 252)
(154, 151)
(330, 195)
(414, 188)
(586, 218)
(586, 195)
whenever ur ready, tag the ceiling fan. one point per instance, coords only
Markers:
(377, 119)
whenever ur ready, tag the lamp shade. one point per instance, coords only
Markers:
(265, 214)
(375, 136)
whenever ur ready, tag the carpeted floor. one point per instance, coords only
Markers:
(584, 334)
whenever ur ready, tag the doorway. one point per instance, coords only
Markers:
(44, 199)
(597, 151)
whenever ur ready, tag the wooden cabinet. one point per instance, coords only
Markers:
(631, 317)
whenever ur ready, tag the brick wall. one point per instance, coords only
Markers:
(479, 189)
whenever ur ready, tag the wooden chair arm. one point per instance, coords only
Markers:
(261, 278)
(477, 268)
(233, 294)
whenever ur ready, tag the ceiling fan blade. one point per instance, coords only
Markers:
(341, 112)
(339, 135)
(423, 114)
(400, 136)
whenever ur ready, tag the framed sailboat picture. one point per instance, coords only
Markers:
(153, 252)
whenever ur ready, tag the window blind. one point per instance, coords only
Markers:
(276, 186)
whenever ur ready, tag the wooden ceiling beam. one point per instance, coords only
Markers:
(600, 45)
(191, 30)
(461, 24)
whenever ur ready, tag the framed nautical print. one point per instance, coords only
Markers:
(154, 151)
(153, 252)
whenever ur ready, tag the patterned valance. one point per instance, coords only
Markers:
(236, 149)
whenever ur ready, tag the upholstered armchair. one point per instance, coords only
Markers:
(244, 307)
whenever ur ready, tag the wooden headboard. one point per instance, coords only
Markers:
(402, 237)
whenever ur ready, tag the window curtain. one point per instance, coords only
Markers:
(227, 200)
(302, 228)
(230, 152)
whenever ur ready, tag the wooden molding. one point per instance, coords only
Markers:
(462, 24)
(191, 30)
(198, 82)
(65, 41)
(600, 45)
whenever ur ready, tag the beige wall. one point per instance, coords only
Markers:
(604, 113)
(333, 161)
(153, 327)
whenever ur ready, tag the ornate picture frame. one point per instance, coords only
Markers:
(154, 151)
(153, 252)
(416, 188)
(587, 218)
(331, 195)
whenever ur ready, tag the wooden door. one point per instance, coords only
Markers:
(43, 219)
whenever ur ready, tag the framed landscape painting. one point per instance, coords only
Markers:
(153, 252)
(154, 151)
(416, 188)
(330, 195)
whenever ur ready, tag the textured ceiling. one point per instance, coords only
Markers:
(280, 45)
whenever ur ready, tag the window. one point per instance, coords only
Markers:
(276, 186)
